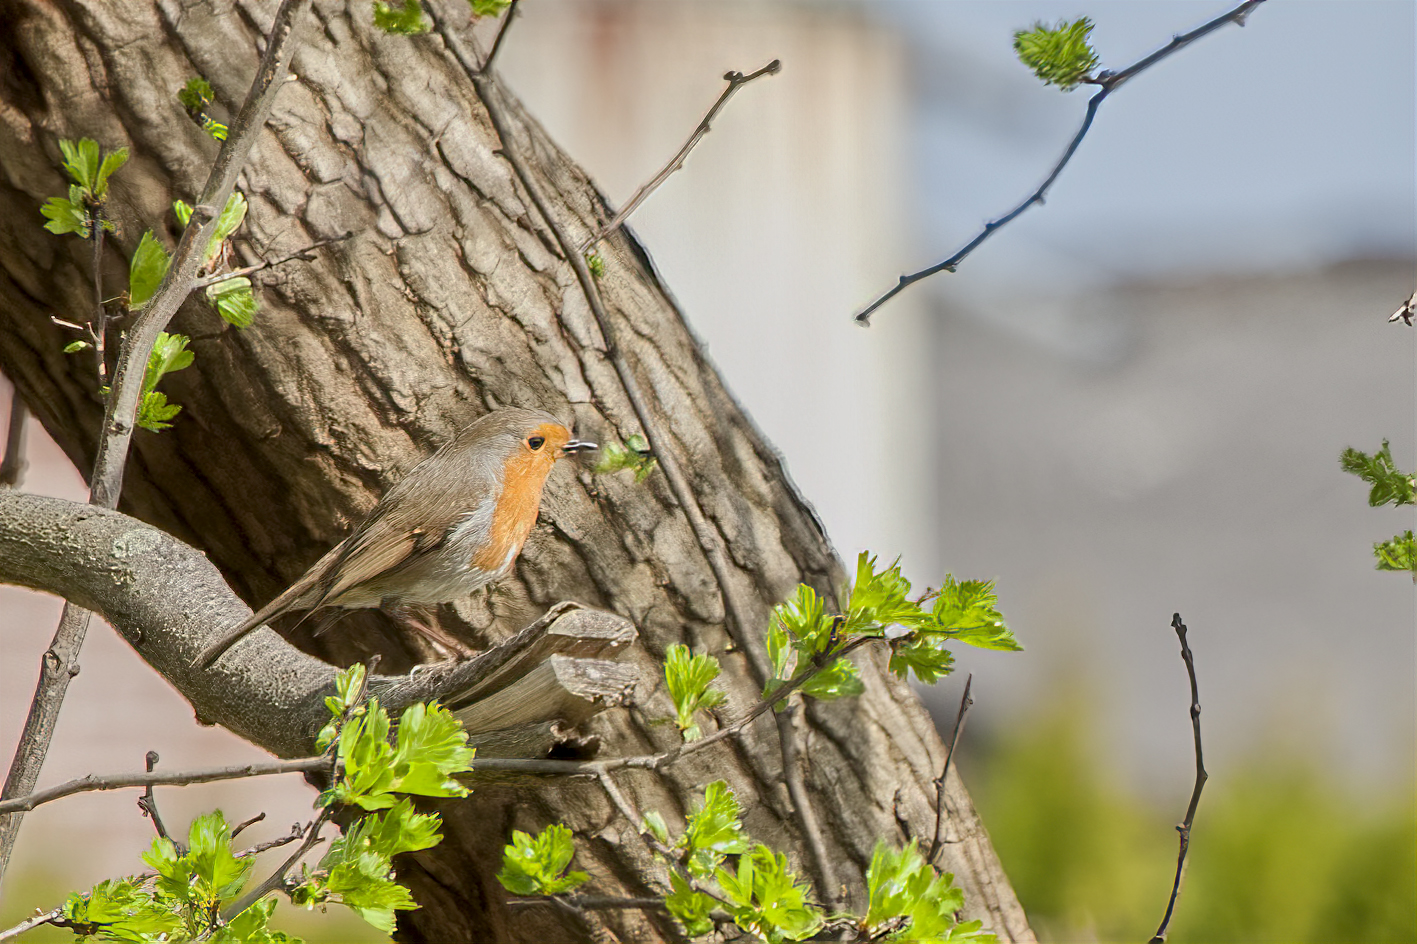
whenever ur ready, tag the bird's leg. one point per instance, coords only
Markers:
(426, 625)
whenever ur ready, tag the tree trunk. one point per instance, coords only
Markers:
(449, 297)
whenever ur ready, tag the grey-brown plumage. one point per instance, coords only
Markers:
(453, 524)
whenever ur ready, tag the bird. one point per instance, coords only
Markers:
(454, 524)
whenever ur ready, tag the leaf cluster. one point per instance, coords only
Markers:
(634, 454)
(196, 97)
(688, 678)
(169, 354)
(911, 901)
(538, 865)
(89, 170)
(401, 18)
(1390, 486)
(1059, 55)
(804, 637)
(231, 297)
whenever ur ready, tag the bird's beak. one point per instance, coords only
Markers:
(577, 445)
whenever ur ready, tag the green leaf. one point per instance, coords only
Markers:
(155, 413)
(688, 678)
(348, 685)
(654, 824)
(367, 755)
(402, 17)
(537, 866)
(183, 212)
(123, 910)
(111, 162)
(635, 455)
(251, 927)
(146, 270)
(1390, 485)
(902, 885)
(880, 599)
(169, 354)
(805, 621)
(690, 908)
(196, 95)
(432, 747)
(74, 347)
(966, 611)
(1398, 554)
(81, 161)
(399, 829)
(231, 218)
(923, 656)
(839, 679)
(768, 900)
(595, 264)
(714, 830)
(234, 300)
(363, 882)
(218, 874)
(481, 8)
(66, 216)
(1059, 55)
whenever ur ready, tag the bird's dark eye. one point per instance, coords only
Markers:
(536, 442)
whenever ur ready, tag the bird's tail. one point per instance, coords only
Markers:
(305, 593)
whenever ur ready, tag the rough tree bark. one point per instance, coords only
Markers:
(450, 297)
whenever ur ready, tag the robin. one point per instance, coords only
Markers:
(455, 523)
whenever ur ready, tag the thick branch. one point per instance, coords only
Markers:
(1107, 82)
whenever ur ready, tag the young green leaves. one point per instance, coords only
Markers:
(146, 270)
(688, 678)
(538, 865)
(401, 18)
(635, 454)
(231, 297)
(169, 354)
(1390, 486)
(766, 898)
(481, 8)
(88, 169)
(430, 747)
(907, 894)
(196, 97)
(1059, 55)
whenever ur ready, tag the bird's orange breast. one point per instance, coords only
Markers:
(522, 479)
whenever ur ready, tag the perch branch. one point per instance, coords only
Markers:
(965, 702)
(1107, 83)
(735, 80)
(1201, 776)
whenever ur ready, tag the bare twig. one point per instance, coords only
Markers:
(60, 662)
(95, 782)
(29, 924)
(296, 831)
(98, 328)
(12, 467)
(738, 622)
(303, 253)
(501, 35)
(831, 888)
(1201, 776)
(1107, 83)
(964, 705)
(148, 804)
(277, 878)
(735, 80)
(245, 824)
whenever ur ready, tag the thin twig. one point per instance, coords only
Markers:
(738, 622)
(501, 35)
(99, 326)
(60, 662)
(245, 824)
(964, 705)
(831, 888)
(12, 467)
(277, 878)
(148, 804)
(296, 831)
(735, 80)
(29, 924)
(1201, 776)
(591, 902)
(303, 253)
(1107, 83)
(174, 778)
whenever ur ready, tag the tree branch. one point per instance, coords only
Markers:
(1107, 82)
(176, 778)
(1201, 776)
(831, 887)
(148, 803)
(12, 467)
(735, 80)
(29, 924)
(964, 705)
(303, 253)
(277, 878)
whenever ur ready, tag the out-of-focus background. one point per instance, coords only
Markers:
(1130, 402)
